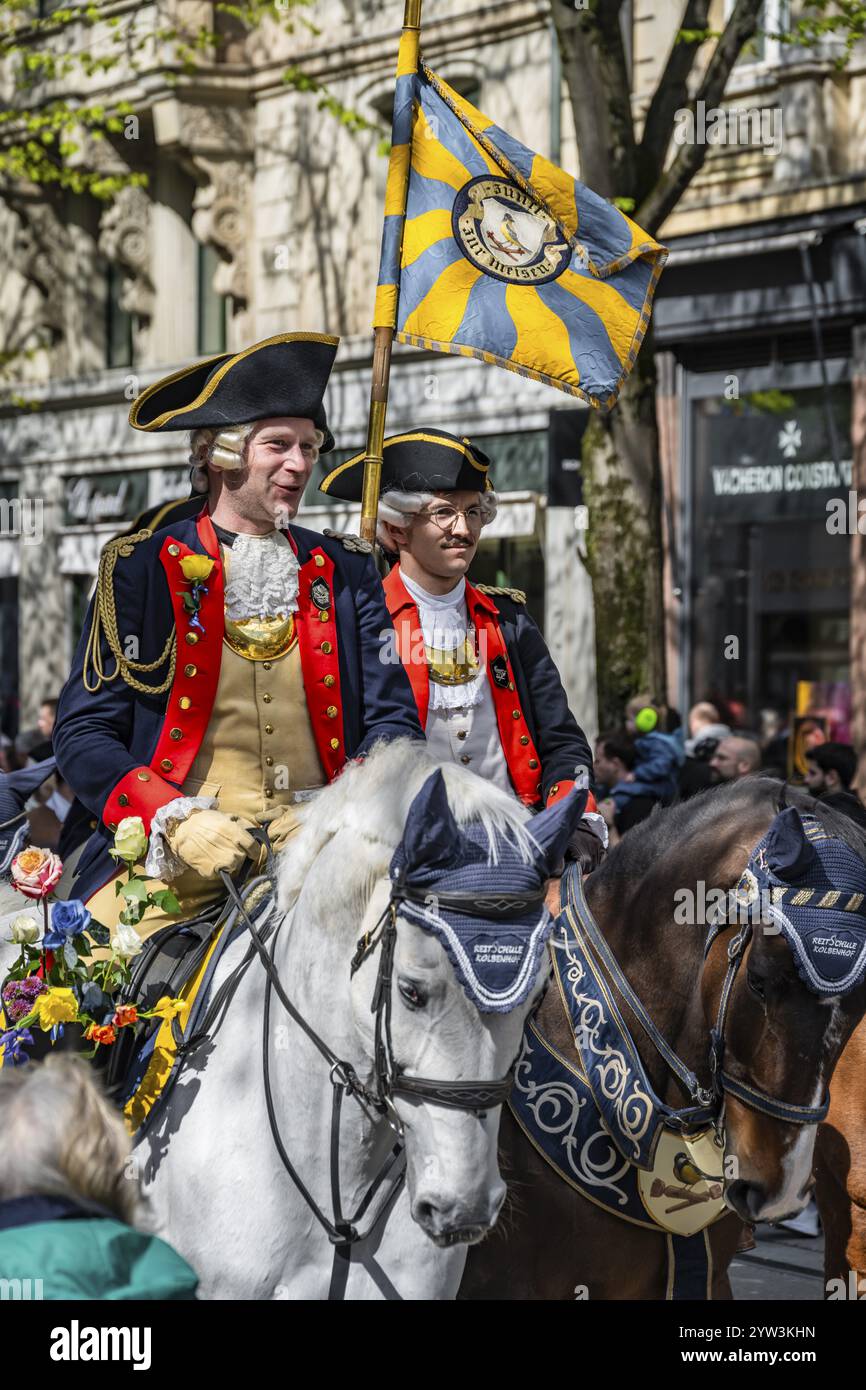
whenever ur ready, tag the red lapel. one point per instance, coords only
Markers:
(320, 666)
(521, 755)
(199, 654)
(410, 640)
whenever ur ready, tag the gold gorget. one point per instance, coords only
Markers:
(261, 639)
(456, 666)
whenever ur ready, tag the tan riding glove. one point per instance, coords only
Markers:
(208, 841)
(281, 826)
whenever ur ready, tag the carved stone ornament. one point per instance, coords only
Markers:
(124, 238)
(220, 219)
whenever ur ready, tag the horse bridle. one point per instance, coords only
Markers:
(708, 1101)
(724, 1083)
(475, 1096)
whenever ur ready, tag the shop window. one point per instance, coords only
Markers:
(212, 313)
(770, 596)
(118, 323)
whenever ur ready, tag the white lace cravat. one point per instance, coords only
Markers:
(262, 577)
(445, 624)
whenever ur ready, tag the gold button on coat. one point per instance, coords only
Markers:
(320, 560)
(327, 648)
(166, 764)
(332, 711)
(269, 728)
(190, 670)
(184, 702)
(524, 739)
(269, 762)
(515, 714)
(324, 617)
(266, 666)
(176, 734)
(335, 743)
(330, 680)
(143, 776)
(123, 799)
(533, 763)
(191, 637)
(174, 550)
(267, 699)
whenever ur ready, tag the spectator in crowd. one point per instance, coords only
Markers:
(659, 755)
(738, 755)
(68, 1202)
(36, 743)
(830, 770)
(628, 801)
(774, 741)
(706, 732)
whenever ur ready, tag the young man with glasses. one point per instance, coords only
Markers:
(488, 693)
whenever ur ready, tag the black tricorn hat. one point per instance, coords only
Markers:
(425, 460)
(284, 375)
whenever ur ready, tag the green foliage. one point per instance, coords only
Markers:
(770, 402)
(41, 128)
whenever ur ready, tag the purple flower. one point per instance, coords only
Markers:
(20, 995)
(13, 1043)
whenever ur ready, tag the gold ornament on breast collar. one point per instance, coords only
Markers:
(453, 666)
(261, 639)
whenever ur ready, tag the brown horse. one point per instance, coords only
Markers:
(780, 1038)
(840, 1172)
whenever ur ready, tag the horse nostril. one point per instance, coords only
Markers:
(746, 1198)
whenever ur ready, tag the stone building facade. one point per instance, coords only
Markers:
(262, 213)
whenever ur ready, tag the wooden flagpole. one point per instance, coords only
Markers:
(384, 337)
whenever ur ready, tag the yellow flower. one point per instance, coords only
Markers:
(55, 1006)
(130, 839)
(167, 1009)
(196, 568)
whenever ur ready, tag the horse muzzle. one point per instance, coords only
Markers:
(448, 1221)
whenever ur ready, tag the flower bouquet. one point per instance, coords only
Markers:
(57, 988)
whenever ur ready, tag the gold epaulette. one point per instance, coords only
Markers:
(349, 541)
(517, 594)
(104, 625)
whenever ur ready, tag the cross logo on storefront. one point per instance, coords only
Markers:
(76, 1343)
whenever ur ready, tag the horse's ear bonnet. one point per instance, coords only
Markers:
(812, 887)
(490, 917)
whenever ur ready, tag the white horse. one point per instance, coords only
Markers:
(217, 1186)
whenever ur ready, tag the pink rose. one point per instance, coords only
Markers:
(36, 871)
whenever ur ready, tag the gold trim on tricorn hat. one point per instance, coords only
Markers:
(283, 375)
(419, 461)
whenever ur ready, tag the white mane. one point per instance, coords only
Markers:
(372, 800)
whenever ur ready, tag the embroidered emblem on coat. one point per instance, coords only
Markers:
(320, 594)
(499, 672)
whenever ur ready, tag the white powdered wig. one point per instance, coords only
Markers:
(224, 449)
(397, 507)
(372, 799)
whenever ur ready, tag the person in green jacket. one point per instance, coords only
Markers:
(69, 1203)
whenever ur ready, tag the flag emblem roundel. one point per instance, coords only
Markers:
(505, 233)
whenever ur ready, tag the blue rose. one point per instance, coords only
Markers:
(68, 919)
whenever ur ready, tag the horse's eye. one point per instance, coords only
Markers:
(412, 994)
(756, 985)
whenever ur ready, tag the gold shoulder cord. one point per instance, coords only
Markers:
(495, 589)
(105, 624)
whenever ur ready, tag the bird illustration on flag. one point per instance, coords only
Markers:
(491, 251)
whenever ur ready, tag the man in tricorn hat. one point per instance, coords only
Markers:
(486, 687)
(230, 662)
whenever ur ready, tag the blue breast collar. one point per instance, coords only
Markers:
(632, 1113)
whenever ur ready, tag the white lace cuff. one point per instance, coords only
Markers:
(597, 824)
(161, 861)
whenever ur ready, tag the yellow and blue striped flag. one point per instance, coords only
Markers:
(493, 252)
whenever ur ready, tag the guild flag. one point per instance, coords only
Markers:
(498, 254)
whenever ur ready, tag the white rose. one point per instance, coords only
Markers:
(126, 941)
(25, 930)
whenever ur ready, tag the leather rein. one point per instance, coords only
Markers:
(707, 1102)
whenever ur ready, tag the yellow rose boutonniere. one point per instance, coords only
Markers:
(196, 568)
